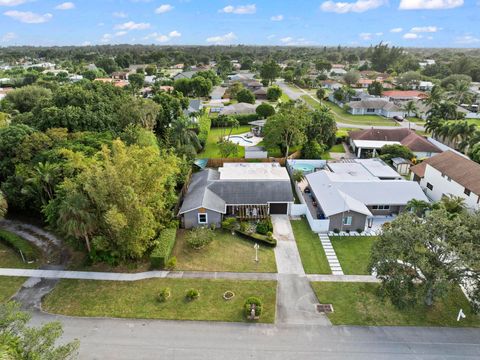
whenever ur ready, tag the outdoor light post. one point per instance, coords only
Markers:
(256, 247)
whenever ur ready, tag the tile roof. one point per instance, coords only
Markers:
(404, 94)
(460, 169)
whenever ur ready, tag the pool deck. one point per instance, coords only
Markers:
(253, 141)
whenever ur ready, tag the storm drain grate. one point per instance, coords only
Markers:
(325, 308)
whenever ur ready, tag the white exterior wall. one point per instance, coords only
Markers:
(423, 155)
(441, 186)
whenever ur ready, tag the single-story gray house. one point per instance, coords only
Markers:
(381, 107)
(238, 109)
(351, 195)
(248, 191)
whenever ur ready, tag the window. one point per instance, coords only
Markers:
(375, 207)
(380, 207)
(429, 186)
(202, 219)
(347, 220)
(370, 110)
(467, 192)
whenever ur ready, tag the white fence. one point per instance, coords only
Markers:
(316, 225)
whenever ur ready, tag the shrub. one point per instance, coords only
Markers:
(200, 237)
(171, 263)
(265, 226)
(243, 226)
(258, 306)
(274, 93)
(229, 223)
(313, 150)
(336, 231)
(15, 242)
(192, 294)
(204, 125)
(164, 294)
(270, 240)
(242, 119)
(265, 110)
(245, 96)
(359, 230)
(161, 253)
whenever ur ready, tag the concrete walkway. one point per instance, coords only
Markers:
(286, 252)
(331, 255)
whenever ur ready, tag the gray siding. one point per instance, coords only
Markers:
(393, 210)
(358, 221)
(190, 219)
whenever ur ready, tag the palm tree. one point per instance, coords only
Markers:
(418, 207)
(460, 133)
(453, 204)
(410, 107)
(459, 92)
(75, 219)
(182, 134)
(435, 97)
(433, 125)
(43, 181)
(3, 205)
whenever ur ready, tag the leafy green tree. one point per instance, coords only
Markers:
(136, 81)
(107, 64)
(265, 110)
(270, 70)
(26, 98)
(351, 77)
(227, 148)
(201, 86)
(382, 57)
(321, 93)
(375, 88)
(286, 128)
(388, 152)
(182, 135)
(322, 128)
(313, 150)
(151, 70)
(418, 207)
(234, 89)
(323, 65)
(18, 341)
(274, 93)
(209, 75)
(410, 108)
(245, 96)
(10, 138)
(419, 259)
(474, 152)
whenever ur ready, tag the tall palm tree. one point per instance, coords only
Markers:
(43, 181)
(182, 133)
(410, 107)
(459, 92)
(418, 207)
(453, 204)
(435, 97)
(75, 218)
(460, 133)
(433, 125)
(3, 205)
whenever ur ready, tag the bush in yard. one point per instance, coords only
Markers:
(265, 110)
(204, 125)
(200, 237)
(258, 306)
(164, 294)
(274, 93)
(243, 226)
(161, 253)
(192, 294)
(229, 223)
(171, 263)
(245, 96)
(265, 226)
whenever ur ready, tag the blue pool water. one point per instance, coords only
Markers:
(305, 168)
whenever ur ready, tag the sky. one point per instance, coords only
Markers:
(408, 23)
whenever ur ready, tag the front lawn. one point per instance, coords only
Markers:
(211, 147)
(226, 252)
(353, 252)
(310, 248)
(138, 299)
(359, 304)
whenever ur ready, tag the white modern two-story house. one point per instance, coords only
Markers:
(449, 173)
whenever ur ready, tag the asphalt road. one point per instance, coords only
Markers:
(147, 339)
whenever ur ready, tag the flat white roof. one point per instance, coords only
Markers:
(359, 169)
(373, 144)
(378, 168)
(253, 171)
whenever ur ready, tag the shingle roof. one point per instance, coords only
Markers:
(460, 169)
(404, 136)
(374, 104)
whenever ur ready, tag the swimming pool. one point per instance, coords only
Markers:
(304, 168)
(240, 140)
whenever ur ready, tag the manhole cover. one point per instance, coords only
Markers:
(325, 308)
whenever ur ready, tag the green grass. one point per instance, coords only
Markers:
(9, 286)
(416, 120)
(227, 252)
(278, 154)
(343, 132)
(353, 252)
(338, 148)
(284, 98)
(138, 299)
(311, 251)
(211, 147)
(469, 121)
(359, 304)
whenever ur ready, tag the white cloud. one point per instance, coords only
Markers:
(163, 9)
(425, 29)
(28, 16)
(240, 9)
(12, 2)
(411, 36)
(222, 39)
(119, 14)
(396, 30)
(106, 38)
(9, 36)
(86, 43)
(358, 6)
(287, 39)
(162, 37)
(174, 34)
(121, 33)
(290, 41)
(269, 37)
(65, 6)
(131, 25)
(467, 39)
(365, 36)
(429, 4)
(277, 18)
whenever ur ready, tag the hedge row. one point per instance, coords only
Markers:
(258, 237)
(242, 120)
(204, 129)
(17, 243)
(161, 253)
